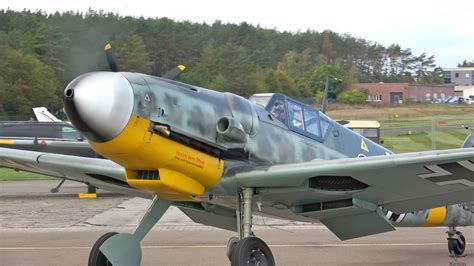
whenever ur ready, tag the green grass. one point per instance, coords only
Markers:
(459, 112)
(10, 174)
(422, 141)
(405, 116)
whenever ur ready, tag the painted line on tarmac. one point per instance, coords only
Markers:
(273, 246)
(159, 227)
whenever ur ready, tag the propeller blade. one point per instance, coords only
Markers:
(174, 73)
(111, 58)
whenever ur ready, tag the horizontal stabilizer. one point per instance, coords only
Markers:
(469, 142)
(43, 115)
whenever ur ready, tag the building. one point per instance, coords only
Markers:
(468, 95)
(459, 76)
(398, 93)
(430, 93)
(382, 93)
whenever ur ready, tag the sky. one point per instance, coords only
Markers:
(443, 29)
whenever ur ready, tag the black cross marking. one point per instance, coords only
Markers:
(452, 172)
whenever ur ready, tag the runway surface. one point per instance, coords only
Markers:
(39, 228)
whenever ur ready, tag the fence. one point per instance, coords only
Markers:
(427, 133)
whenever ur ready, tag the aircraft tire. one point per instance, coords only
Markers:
(91, 189)
(231, 246)
(96, 258)
(456, 247)
(252, 251)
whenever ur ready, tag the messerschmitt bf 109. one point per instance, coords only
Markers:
(221, 158)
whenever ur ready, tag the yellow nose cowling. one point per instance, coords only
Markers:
(155, 163)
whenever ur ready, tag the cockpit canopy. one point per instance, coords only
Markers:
(261, 99)
(299, 117)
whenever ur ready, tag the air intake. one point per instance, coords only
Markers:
(336, 183)
(148, 175)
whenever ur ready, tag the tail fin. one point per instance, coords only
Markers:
(42, 115)
(469, 142)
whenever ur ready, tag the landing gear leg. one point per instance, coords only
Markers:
(247, 249)
(124, 249)
(56, 189)
(91, 189)
(456, 242)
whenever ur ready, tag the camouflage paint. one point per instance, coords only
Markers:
(195, 111)
(454, 215)
(192, 114)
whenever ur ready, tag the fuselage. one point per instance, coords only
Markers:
(179, 141)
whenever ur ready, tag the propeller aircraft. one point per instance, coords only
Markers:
(221, 158)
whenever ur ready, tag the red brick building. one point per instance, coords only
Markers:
(398, 93)
(382, 93)
(430, 93)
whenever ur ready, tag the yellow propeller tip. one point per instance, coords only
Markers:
(108, 47)
(182, 67)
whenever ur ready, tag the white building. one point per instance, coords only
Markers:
(468, 94)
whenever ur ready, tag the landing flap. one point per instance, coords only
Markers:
(219, 217)
(358, 225)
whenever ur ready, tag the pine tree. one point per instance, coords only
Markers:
(133, 55)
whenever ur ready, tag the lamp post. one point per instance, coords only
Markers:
(325, 97)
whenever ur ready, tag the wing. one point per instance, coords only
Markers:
(347, 195)
(101, 173)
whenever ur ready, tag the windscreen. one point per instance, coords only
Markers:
(261, 100)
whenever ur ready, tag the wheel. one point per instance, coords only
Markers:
(252, 251)
(456, 247)
(96, 258)
(231, 246)
(91, 189)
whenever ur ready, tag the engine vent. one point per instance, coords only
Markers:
(148, 175)
(336, 183)
(321, 206)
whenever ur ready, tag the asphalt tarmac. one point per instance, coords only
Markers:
(39, 228)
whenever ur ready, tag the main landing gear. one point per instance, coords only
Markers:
(124, 249)
(456, 242)
(247, 249)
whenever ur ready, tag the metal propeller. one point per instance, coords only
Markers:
(113, 65)
(174, 73)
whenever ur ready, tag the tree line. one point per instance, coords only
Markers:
(41, 53)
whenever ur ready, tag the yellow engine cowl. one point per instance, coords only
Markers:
(155, 163)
